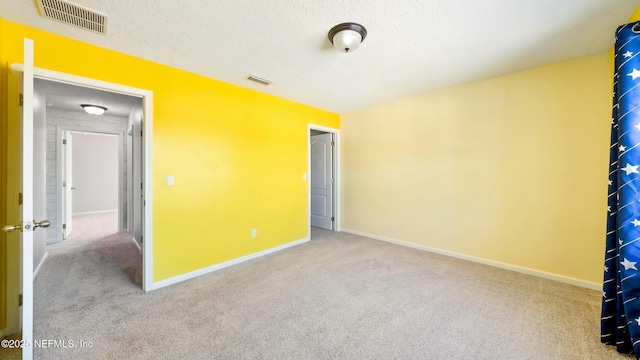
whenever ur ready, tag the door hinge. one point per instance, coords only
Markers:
(64, 141)
(20, 199)
(140, 133)
(20, 300)
(21, 99)
(64, 184)
(333, 219)
(140, 186)
(64, 226)
(332, 143)
(140, 239)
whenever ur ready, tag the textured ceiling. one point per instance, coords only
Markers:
(412, 46)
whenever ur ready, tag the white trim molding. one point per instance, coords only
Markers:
(40, 265)
(498, 264)
(147, 140)
(193, 274)
(147, 193)
(95, 212)
(135, 242)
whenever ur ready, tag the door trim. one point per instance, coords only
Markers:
(60, 129)
(147, 137)
(336, 175)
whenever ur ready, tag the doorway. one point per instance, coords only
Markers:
(23, 135)
(323, 178)
(90, 182)
(100, 139)
(138, 107)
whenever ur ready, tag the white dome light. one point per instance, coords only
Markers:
(346, 37)
(94, 109)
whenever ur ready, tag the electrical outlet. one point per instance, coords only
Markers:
(254, 232)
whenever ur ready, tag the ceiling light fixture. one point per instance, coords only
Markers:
(94, 109)
(347, 36)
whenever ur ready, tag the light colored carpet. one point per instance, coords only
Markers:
(11, 353)
(338, 296)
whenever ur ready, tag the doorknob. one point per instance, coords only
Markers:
(22, 226)
(43, 224)
(10, 228)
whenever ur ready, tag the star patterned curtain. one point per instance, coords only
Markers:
(620, 322)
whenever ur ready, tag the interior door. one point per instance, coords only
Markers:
(26, 227)
(27, 199)
(322, 181)
(67, 183)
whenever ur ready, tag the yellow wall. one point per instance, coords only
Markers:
(510, 170)
(635, 17)
(238, 156)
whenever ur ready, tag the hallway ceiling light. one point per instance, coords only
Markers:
(94, 109)
(347, 36)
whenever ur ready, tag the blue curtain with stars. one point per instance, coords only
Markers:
(620, 322)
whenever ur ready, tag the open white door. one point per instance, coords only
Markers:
(67, 184)
(27, 225)
(27, 200)
(322, 181)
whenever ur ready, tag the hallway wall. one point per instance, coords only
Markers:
(95, 172)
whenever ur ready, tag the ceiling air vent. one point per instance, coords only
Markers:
(259, 80)
(73, 14)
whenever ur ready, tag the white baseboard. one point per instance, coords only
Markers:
(498, 264)
(193, 274)
(95, 212)
(40, 265)
(137, 244)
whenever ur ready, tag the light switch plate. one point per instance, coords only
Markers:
(170, 180)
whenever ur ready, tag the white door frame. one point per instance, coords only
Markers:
(336, 175)
(60, 200)
(147, 108)
(60, 196)
(64, 185)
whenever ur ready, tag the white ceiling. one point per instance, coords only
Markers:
(412, 47)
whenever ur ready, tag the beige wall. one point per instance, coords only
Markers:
(511, 170)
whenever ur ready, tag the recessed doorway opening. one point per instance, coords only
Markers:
(324, 178)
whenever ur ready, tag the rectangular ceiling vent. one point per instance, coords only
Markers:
(73, 14)
(259, 80)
